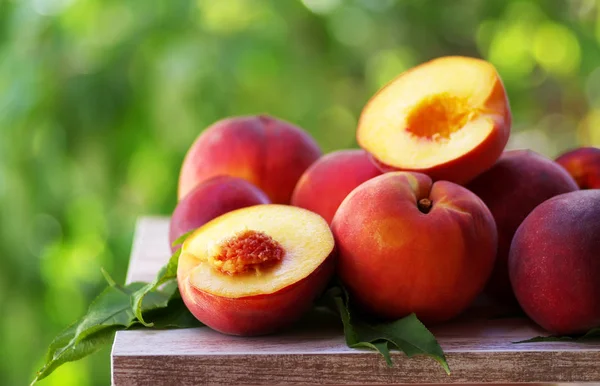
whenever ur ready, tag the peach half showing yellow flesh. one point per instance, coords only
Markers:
(256, 270)
(448, 118)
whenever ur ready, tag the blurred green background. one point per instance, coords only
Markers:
(100, 99)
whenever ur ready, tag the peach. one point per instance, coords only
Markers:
(268, 152)
(584, 165)
(512, 188)
(554, 263)
(255, 270)
(408, 245)
(210, 199)
(326, 183)
(448, 118)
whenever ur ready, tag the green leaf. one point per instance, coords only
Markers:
(176, 315)
(73, 352)
(112, 311)
(591, 335)
(167, 274)
(594, 333)
(182, 238)
(109, 310)
(407, 334)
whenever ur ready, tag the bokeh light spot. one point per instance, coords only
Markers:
(388, 64)
(340, 123)
(351, 26)
(556, 49)
(588, 130)
(321, 6)
(510, 50)
(50, 7)
(231, 16)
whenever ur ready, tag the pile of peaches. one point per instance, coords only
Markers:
(430, 214)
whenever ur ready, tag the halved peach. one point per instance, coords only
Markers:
(255, 270)
(448, 118)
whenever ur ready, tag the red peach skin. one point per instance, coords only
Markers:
(396, 260)
(326, 183)
(554, 263)
(268, 152)
(584, 165)
(209, 200)
(255, 315)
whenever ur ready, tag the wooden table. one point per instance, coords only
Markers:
(478, 351)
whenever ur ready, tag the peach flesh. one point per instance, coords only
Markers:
(209, 200)
(453, 129)
(512, 188)
(584, 165)
(254, 271)
(438, 116)
(326, 183)
(406, 244)
(554, 263)
(268, 152)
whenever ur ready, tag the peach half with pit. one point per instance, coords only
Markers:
(256, 270)
(268, 152)
(406, 244)
(448, 118)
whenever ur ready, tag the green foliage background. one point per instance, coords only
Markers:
(100, 99)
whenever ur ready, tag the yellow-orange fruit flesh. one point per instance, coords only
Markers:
(408, 245)
(449, 118)
(254, 270)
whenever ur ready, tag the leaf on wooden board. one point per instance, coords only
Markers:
(167, 274)
(108, 311)
(176, 315)
(594, 333)
(111, 311)
(407, 334)
(591, 335)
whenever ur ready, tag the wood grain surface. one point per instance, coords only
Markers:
(479, 350)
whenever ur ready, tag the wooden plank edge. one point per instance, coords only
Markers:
(364, 368)
(141, 227)
(141, 224)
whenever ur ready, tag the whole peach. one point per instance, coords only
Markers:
(584, 165)
(408, 245)
(554, 263)
(326, 183)
(269, 152)
(512, 188)
(210, 199)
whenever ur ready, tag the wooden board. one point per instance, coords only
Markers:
(478, 351)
